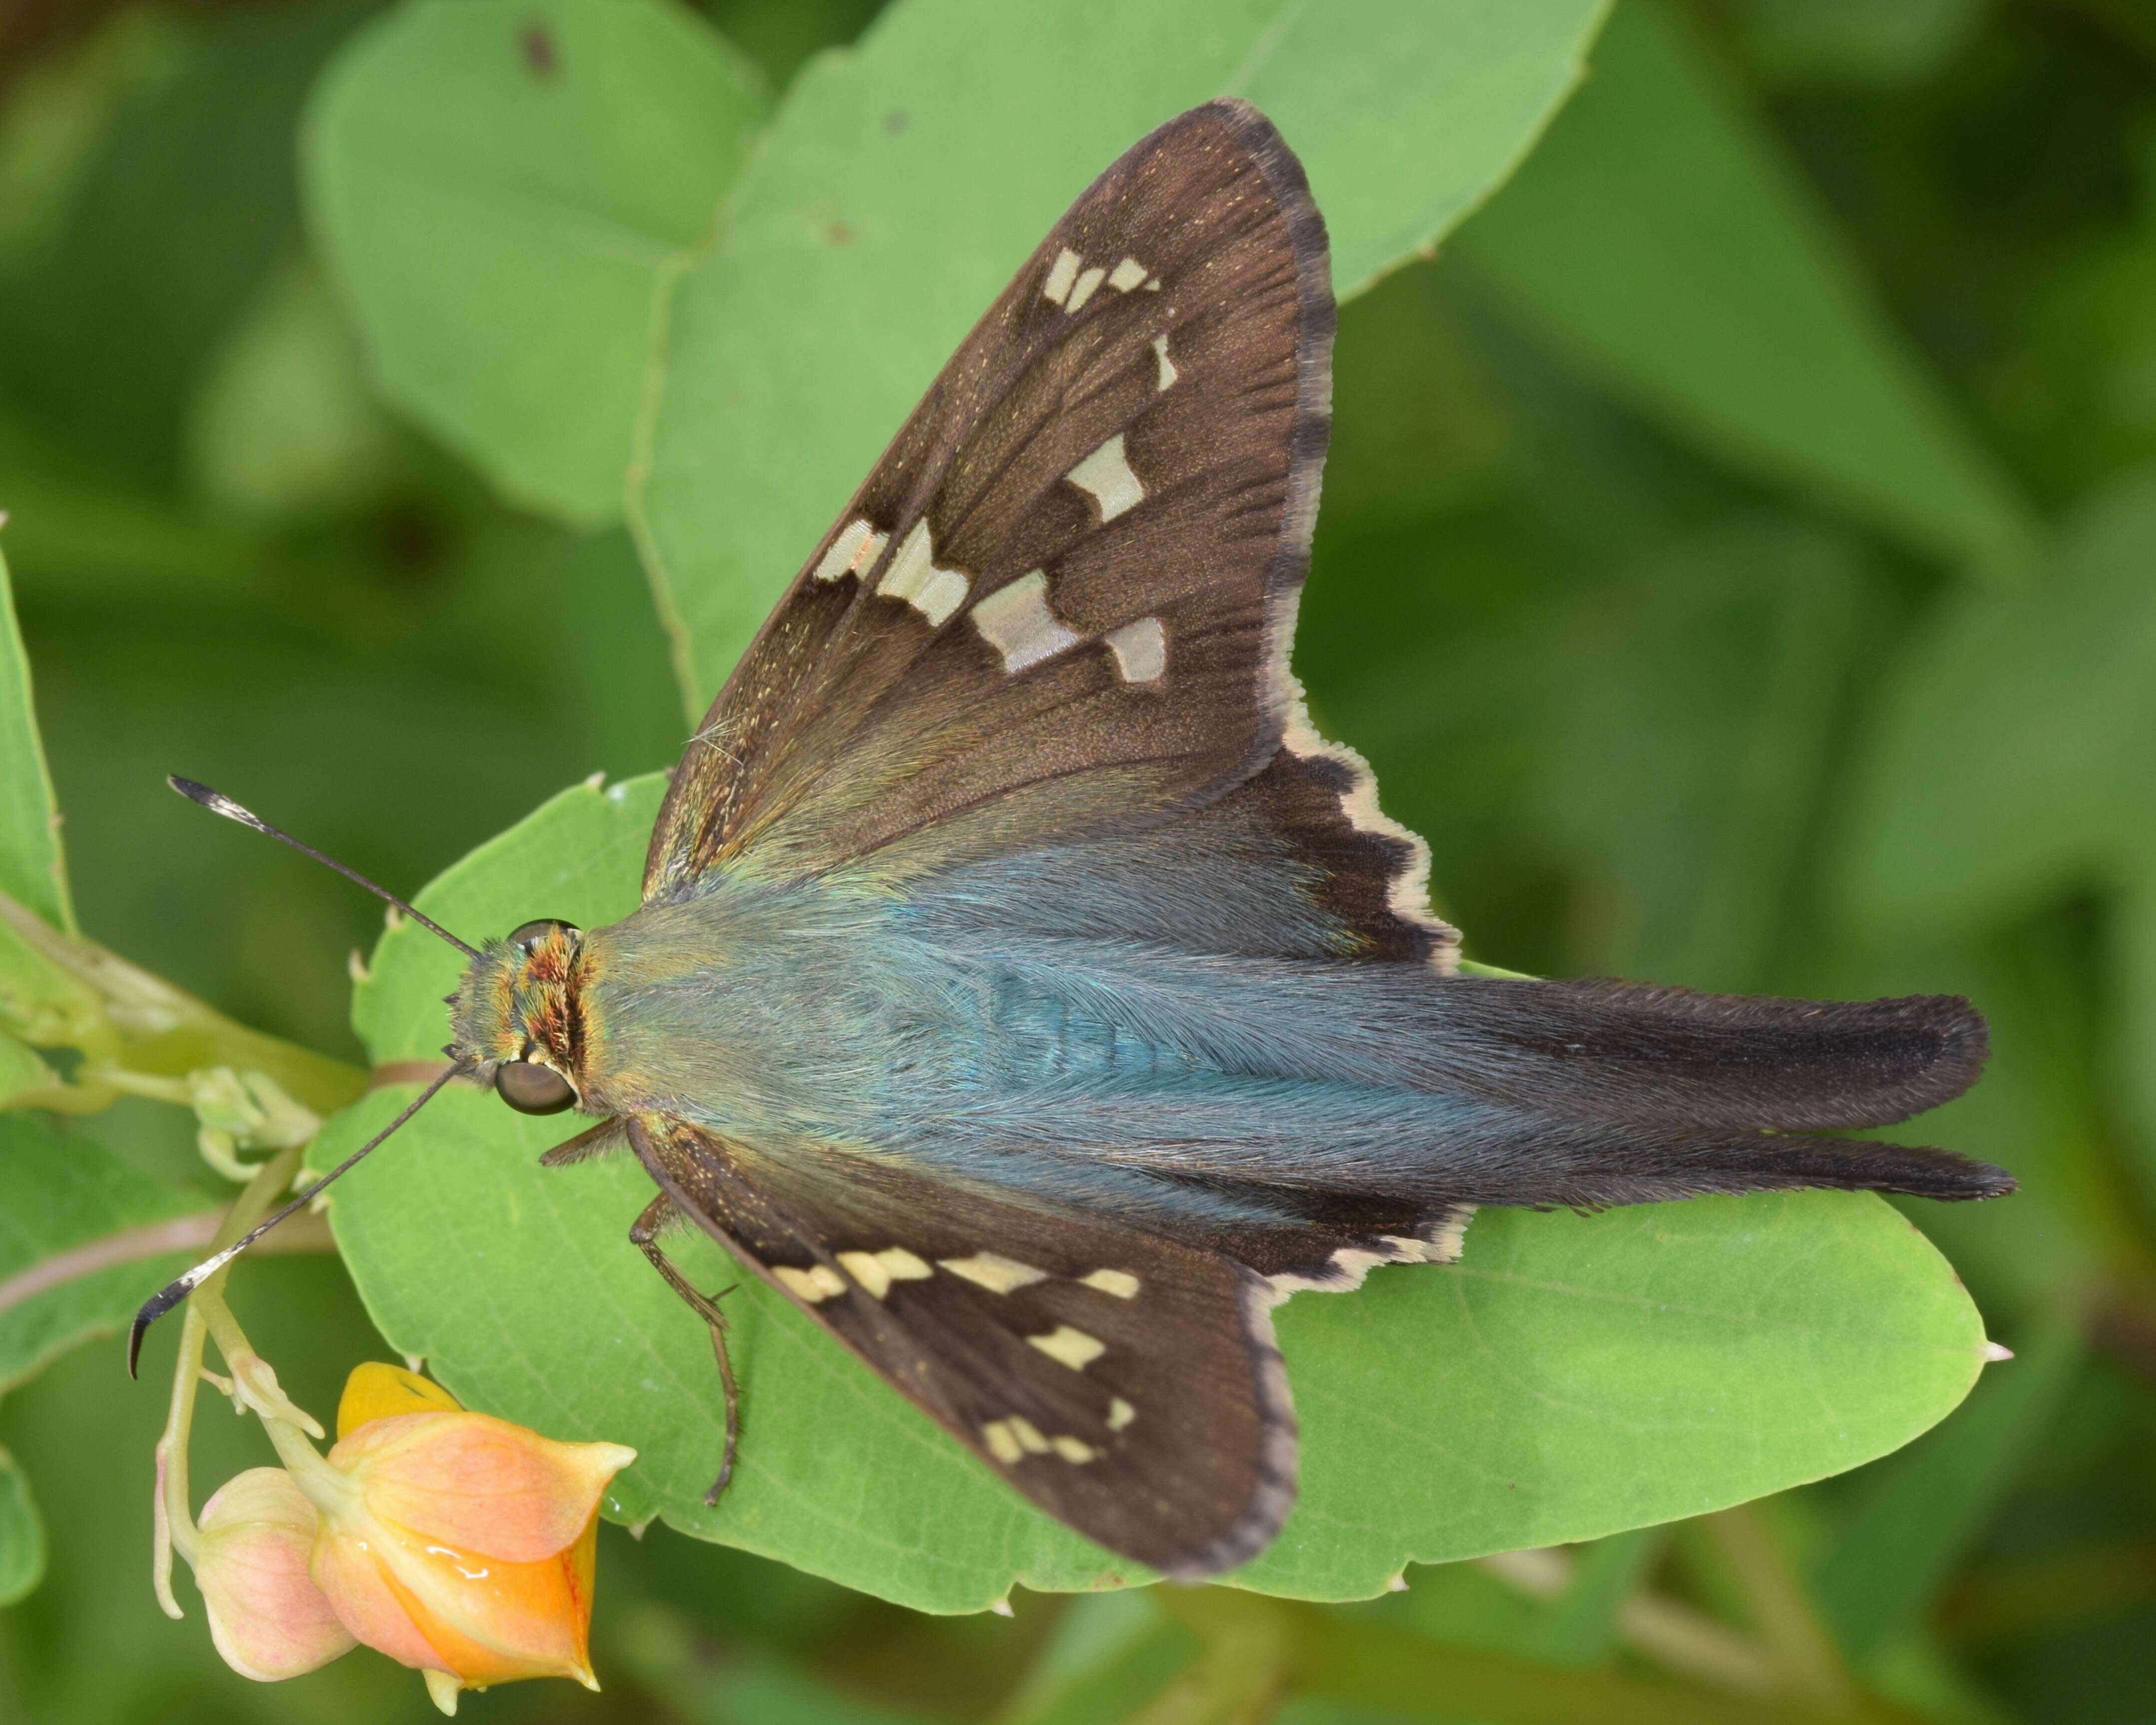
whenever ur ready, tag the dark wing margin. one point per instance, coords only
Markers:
(1128, 1385)
(1368, 872)
(1064, 601)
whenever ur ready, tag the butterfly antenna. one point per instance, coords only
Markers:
(169, 1295)
(218, 803)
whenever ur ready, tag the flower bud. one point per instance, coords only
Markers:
(266, 1616)
(455, 1542)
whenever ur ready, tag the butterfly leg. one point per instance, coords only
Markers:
(658, 1215)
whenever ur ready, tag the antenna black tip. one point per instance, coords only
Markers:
(217, 803)
(153, 1308)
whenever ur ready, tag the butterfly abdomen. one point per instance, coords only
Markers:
(1390, 1081)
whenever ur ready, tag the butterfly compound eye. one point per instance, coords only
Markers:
(532, 1089)
(529, 934)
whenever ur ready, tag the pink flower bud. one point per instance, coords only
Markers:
(266, 1615)
(459, 1543)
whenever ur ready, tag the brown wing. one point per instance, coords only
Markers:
(1063, 602)
(1128, 1385)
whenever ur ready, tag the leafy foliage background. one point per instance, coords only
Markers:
(1736, 558)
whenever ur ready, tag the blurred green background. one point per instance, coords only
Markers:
(1738, 558)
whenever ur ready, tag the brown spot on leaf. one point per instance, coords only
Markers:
(838, 233)
(897, 121)
(537, 43)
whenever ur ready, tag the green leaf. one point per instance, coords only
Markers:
(283, 423)
(32, 869)
(903, 182)
(1658, 236)
(1576, 1375)
(21, 1067)
(1920, 1512)
(58, 1191)
(1995, 776)
(507, 190)
(22, 1534)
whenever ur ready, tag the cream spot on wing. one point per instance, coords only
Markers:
(1069, 1347)
(1450, 1240)
(1073, 1449)
(1121, 1413)
(993, 1271)
(853, 551)
(1002, 1441)
(818, 1282)
(1083, 290)
(1141, 649)
(1061, 275)
(1168, 373)
(913, 576)
(1106, 474)
(1127, 276)
(1028, 1434)
(864, 1269)
(1015, 620)
(1153, 286)
(1119, 1282)
(901, 1265)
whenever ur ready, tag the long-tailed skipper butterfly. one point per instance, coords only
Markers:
(1024, 987)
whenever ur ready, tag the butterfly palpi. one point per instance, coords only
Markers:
(1022, 987)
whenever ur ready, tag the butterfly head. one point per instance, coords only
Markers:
(517, 1019)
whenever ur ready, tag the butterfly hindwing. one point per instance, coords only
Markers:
(1128, 1385)
(1063, 600)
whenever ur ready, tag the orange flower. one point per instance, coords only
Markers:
(268, 1619)
(458, 1543)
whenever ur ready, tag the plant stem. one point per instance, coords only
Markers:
(1804, 1653)
(190, 1232)
(173, 1524)
(132, 1025)
(1242, 1667)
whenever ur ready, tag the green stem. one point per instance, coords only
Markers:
(172, 1525)
(1804, 1652)
(1242, 1669)
(134, 1027)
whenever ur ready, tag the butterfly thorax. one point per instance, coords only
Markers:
(748, 1007)
(520, 999)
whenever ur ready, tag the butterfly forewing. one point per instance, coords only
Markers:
(1062, 602)
(1128, 1385)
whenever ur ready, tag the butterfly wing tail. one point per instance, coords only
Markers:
(1796, 1162)
(1648, 1054)
(1696, 1093)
